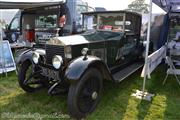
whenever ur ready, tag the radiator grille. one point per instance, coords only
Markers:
(52, 50)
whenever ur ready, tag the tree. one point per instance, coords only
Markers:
(138, 6)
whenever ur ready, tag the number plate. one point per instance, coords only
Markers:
(50, 73)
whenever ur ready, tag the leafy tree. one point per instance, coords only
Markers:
(138, 6)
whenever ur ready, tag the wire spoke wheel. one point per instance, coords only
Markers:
(28, 77)
(31, 78)
(84, 96)
(89, 94)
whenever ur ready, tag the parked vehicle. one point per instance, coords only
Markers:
(12, 31)
(45, 17)
(108, 49)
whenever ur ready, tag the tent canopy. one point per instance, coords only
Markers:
(168, 5)
(25, 5)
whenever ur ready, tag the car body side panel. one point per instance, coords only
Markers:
(112, 51)
(105, 50)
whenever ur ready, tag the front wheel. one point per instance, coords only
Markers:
(28, 77)
(84, 95)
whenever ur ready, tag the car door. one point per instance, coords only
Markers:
(129, 50)
(114, 47)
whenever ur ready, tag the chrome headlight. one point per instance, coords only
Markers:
(67, 51)
(57, 61)
(84, 51)
(35, 57)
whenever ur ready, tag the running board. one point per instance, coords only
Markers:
(124, 73)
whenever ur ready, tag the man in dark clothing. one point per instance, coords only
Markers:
(62, 18)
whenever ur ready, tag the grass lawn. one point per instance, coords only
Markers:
(116, 103)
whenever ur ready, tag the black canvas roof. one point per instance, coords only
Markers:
(105, 12)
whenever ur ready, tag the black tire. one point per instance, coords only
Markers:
(22, 76)
(87, 91)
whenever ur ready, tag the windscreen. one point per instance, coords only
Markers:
(107, 21)
(46, 21)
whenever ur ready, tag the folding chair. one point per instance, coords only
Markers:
(171, 70)
(175, 53)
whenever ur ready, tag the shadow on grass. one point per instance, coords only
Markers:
(143, 109)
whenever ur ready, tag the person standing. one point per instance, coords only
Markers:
(62, 19)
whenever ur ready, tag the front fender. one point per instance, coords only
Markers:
(23, 55)
(78, 67)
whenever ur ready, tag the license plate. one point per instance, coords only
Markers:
(50, 73)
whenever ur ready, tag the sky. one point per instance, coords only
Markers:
(117, 4)
(108, 4)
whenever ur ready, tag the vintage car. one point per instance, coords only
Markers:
(108, 49)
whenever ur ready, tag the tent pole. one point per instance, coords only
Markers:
(1, 37)
(1, 40)
(147, 46)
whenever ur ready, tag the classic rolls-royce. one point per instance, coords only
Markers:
(109, 48)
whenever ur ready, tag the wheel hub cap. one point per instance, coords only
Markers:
(94, 95)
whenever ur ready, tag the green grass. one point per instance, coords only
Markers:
(116, 103)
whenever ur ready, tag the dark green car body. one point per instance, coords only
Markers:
(115, 48)
(112, 48)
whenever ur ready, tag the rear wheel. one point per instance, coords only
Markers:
(84, 95)
(28, 77)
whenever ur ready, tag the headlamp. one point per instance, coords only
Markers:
(35, 57)
(57, 61)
